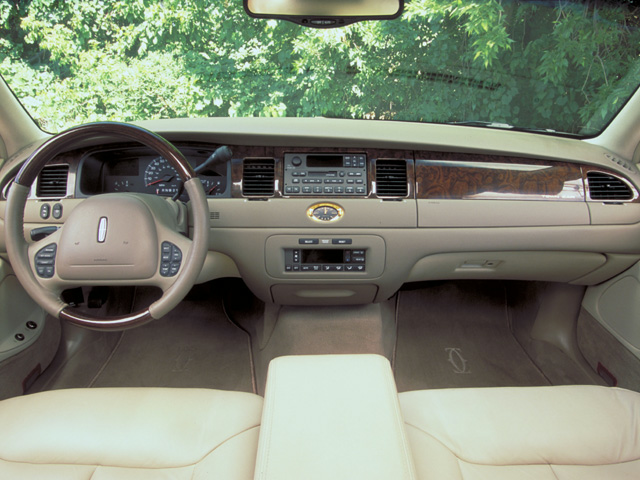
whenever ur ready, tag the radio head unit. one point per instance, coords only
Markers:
(325, 174)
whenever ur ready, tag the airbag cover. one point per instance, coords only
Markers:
(122, 247)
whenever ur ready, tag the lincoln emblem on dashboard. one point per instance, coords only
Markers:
(102, 229)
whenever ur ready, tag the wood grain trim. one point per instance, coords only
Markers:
(490, 177)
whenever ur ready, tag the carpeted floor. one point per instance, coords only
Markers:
(332, 330)
(457, 335)
(193, 346)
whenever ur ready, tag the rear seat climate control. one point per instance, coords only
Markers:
(45, 261)
(170, 260)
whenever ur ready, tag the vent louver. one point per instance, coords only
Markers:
(391, 178)
(52, 181)
(258, 176)
(603, 186)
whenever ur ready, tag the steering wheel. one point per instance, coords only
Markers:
(109, 239)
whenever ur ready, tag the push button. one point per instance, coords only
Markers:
(170, 259)
(45, 211)
(57, 211)
(45, 260)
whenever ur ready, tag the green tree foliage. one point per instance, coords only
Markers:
(567, 66)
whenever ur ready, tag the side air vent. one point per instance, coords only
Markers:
(52, 181)
(391, 178)
(258, 176)
(603, 186)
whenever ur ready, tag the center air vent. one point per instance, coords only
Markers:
(258, 176)
(391, 178)
(52, 181)
(603, 186)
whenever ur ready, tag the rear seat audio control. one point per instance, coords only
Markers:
(45, 261)
(170, 259)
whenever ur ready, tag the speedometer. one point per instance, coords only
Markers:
(161, 178)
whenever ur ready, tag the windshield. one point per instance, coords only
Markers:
(559, 66)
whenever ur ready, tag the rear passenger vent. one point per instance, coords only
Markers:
(52, 181)
(391, 178)
(258, 177)
(603, 186)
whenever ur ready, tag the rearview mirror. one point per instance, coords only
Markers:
(326, 13)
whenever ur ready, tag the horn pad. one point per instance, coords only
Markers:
(128, 249)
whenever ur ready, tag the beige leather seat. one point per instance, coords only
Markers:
(145, 433)
(559, 433)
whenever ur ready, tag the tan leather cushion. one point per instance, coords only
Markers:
(130, 433)
(332, 417)
(539, 432)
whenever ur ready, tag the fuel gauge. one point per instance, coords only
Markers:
(122, 185)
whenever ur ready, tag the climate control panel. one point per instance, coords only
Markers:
(325, 260)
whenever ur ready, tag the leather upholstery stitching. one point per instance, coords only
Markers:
(268, 415)
(514, 464)
(143, 468)
(392, 392)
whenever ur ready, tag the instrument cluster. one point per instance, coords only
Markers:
(139, 170)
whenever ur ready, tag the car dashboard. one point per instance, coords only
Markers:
(338, 215)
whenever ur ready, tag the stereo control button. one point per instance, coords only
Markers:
(170, 259)
(45, 260)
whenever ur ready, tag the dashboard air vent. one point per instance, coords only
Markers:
(603, 186)
(258, 176)
(391, 178)
(52, 181)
